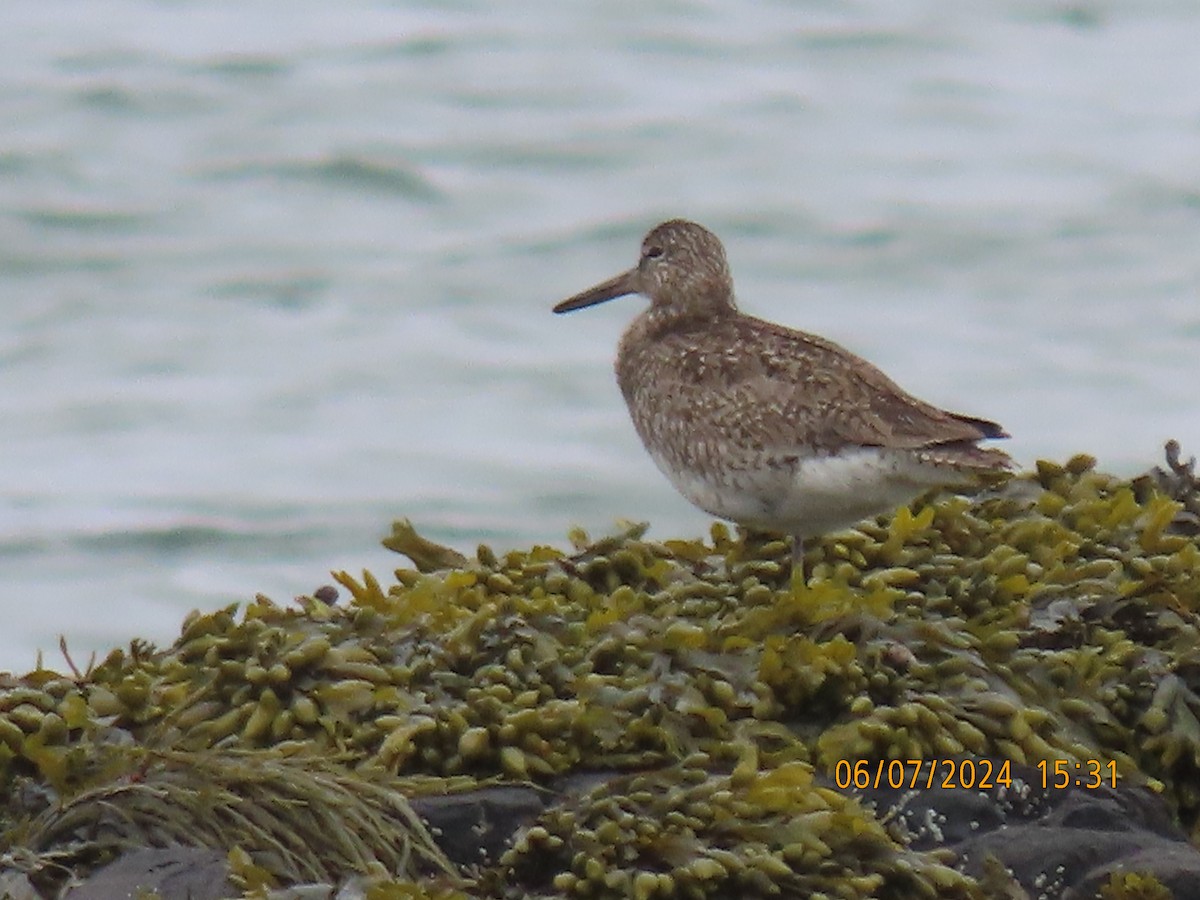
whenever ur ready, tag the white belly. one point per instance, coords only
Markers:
(815, 495)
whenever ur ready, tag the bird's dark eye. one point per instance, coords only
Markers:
(653, 252)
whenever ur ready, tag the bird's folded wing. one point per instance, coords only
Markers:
(828, 399)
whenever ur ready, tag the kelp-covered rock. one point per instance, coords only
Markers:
(685, 831)
(1052, 620)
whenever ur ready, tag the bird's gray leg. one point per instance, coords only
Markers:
(799, 576)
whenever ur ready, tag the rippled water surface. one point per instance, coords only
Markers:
(267, 283)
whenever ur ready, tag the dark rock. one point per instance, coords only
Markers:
(171, 873)
(473, 827)
(1177, 866)
(1057, 843)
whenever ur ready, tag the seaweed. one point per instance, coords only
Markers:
(1051, 617)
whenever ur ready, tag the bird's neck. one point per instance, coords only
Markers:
(698, 310)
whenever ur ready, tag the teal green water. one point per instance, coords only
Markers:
(267, 282)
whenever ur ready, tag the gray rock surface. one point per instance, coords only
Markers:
(174, 873)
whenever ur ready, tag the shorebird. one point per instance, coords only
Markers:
(767, 426)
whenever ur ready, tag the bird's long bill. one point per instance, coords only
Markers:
(617, 286)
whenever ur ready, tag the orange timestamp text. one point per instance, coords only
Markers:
(1089, 773)
(967, 774)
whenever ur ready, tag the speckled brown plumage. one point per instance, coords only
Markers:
(766, 425)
